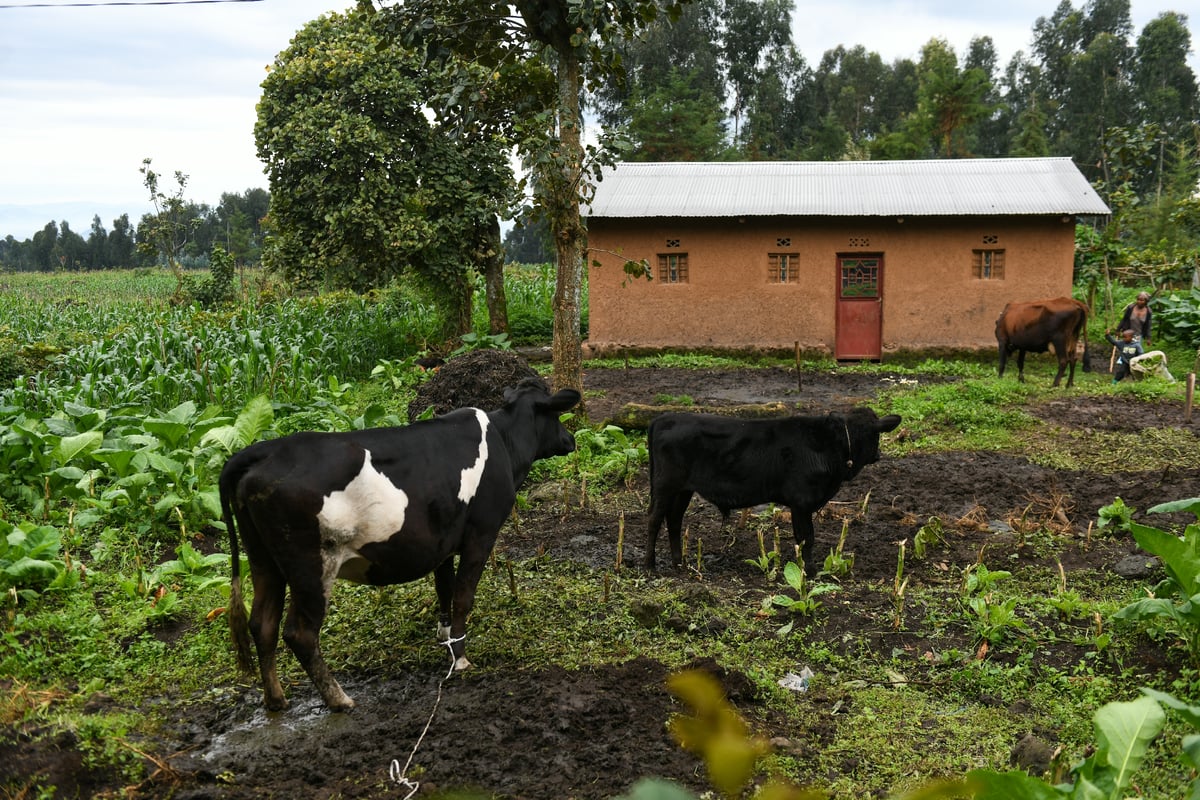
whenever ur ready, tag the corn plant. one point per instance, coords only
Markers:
(767, 562)
(839, 563)
(899, 587)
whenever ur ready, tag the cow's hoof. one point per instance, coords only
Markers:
(342, 706)
(461, 663)
(276, 704)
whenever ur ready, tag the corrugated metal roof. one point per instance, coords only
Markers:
(951, 187)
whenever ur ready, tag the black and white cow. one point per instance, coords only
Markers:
(799, 462)
(379, 506)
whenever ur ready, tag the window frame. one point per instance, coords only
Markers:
(672, 268)
(987, 264)
(783, 269)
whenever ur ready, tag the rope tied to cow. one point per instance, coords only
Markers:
(398, 775)
(849, 448)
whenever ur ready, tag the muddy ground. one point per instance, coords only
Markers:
(553, 733)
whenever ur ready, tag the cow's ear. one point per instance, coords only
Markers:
(563, 399)
(888, 423)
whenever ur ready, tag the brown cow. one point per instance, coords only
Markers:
(1035, 327)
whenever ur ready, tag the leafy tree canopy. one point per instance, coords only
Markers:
(367, 180)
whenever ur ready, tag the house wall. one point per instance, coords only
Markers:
(930, 297)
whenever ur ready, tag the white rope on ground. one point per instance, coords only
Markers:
(399, 775)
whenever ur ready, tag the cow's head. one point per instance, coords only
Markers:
(533, 397)
(863, 427)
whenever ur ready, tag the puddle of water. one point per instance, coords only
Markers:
(271, 731)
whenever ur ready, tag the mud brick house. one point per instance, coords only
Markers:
(856, 258)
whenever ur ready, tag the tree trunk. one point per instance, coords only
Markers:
(567, 227)
(492, 253)
(457, 307)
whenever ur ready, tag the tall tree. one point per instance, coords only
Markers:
(657, 55)
(1029, 140)
(70, 251)
(774, 120)
(365, 181)
(753, 30)
(97, 245)
(43, 247)
(991, 131)
(849, 85)
(676, 121)
(950, 102)
(579, 42)
(240, 217)
(122, 243)
(165, 233)
(1166, 91)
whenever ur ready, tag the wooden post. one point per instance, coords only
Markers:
(799, 378)
(1191, 392)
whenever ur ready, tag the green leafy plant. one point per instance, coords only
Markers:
(1116, 515)
(103, 744)
(1124, 733)
(481, 341)
(30, 560)
(1175, 601)
(609, 453)
(401, 373)
(805, 602)
(994, 620)
(932, 532)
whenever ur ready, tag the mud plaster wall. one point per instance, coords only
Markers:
(930, 297)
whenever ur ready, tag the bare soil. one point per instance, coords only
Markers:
(591, 733)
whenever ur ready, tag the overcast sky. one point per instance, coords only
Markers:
(86, 93)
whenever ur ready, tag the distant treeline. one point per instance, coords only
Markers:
(235, 224)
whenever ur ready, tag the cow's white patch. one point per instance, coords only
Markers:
(370, 509)
(472, 475)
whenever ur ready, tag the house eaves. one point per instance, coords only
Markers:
(950, 187)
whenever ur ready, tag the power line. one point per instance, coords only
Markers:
(123, 3)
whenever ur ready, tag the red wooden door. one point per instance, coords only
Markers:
(859, 316)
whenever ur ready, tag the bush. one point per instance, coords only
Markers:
(1177, 317)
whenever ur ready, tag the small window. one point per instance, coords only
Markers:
(673, 268)
(988, 265)
(783, 268)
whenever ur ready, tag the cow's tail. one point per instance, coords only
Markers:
(239, 624)
(1082, 331)
(650, 455)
